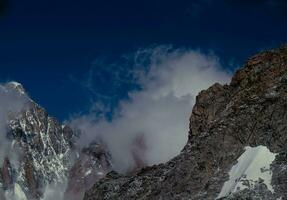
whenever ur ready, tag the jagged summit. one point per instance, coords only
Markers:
(231, 127)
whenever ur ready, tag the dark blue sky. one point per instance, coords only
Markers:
(50, 45)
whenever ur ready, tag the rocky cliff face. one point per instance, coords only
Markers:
(236, 148)
(46, 156)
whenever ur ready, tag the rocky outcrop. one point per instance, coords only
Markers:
(249, 112)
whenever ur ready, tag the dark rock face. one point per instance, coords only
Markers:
(251, 111)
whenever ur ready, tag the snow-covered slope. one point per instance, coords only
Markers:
(253, 166)
(16, 193)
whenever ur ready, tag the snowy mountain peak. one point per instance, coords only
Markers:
(17, 86)
(37, 152)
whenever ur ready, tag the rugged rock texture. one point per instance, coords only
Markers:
(43, 146)
(46, 155)
(251, 111)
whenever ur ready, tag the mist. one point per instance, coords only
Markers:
(12, 101)
(54, 191)
(152, 125)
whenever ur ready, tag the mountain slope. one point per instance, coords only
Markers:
(230, 125)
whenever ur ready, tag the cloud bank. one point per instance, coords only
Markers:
(152, 125)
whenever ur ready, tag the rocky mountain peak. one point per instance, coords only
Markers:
(231, 128)
(262, 67)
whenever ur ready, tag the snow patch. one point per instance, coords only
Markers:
(88, 172)
(100, 173)
(16, 194)
(253, 165)
(19, 194)
(14, 83)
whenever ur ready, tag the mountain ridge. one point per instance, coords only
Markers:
(229, 125)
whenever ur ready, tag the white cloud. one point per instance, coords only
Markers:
(152, 126)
